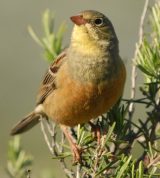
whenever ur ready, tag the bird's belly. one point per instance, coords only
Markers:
(77, 103)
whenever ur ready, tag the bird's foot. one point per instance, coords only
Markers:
(76, 151)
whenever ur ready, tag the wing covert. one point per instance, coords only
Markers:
(48, 84)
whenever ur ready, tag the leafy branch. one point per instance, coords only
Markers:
(51, 42)
(19, 161)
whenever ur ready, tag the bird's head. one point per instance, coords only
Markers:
(93, 27)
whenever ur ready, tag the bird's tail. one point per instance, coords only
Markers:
(27, 123)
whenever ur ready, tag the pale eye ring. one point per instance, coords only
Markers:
(98, 21)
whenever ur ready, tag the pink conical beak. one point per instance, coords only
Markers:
(78, 20)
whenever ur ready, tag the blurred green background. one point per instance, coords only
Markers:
(22, 64)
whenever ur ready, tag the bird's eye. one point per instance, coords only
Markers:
(98, 21)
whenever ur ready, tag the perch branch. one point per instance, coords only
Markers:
(134, 68)
(55, 146)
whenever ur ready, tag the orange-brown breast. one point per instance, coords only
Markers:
(74, 102)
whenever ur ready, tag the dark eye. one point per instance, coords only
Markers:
(98, 21)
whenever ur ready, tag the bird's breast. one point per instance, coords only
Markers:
(92, 69)
(76, 101)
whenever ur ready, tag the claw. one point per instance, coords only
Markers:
(77, 151)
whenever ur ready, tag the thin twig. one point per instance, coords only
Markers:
(51, 127)
(134, 68)
(46, 137)
(78, 171)
(154, 161)
(54, 146)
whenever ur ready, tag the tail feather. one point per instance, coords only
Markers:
(25, 124)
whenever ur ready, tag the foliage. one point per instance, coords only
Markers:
(19, 161)
(51, 42)
(148, 59)
(113, 156)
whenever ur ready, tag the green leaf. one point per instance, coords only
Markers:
(48, 23)
(144, 70)
(133, 171)
(60, 33)
(110, 132)
(123, 168)
(34, 36)
(140, 170)
(51, 42)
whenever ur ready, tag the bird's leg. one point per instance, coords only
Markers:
(74, 147)
(96, 131)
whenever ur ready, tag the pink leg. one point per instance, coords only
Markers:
(74, 147)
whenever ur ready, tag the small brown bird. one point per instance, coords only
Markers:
(85, 80)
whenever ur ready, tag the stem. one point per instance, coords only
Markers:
(54, 146)
(134, 68)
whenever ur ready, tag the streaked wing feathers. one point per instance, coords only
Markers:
(48, 84)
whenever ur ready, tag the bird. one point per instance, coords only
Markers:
(84, 81)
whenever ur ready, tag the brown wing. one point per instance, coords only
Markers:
(48, 83)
